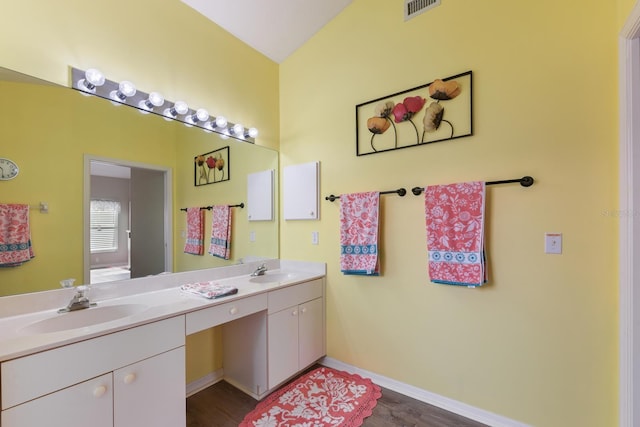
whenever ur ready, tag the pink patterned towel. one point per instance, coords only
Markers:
(195, 232)
(209, 289)
(455, 233)
(220, 245)
(15, 235)
(359, 233)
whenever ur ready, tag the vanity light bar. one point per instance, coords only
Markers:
(93, 82)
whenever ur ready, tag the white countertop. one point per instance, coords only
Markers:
(161, 294)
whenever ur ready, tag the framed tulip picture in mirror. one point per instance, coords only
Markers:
(212, 167)
(434, 112)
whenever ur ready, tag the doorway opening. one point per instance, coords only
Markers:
(127, 220)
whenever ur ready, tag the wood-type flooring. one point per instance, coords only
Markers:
(222, 405)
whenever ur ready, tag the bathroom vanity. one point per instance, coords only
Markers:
(125, 365)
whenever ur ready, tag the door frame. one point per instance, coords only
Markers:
(629, 185)
(168, 204)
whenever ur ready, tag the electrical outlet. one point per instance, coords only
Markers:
(252, 236)
(314, 237)
(553, 243)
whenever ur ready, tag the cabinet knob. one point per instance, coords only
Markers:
(99, 391)
(129, 378)
(303, 310)
(294, 313)
(233, 310)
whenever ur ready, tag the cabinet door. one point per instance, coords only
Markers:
(283, 345)
(311, 332)
(151, 392)
(87, 403)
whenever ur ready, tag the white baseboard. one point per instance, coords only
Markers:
(204, 382)
(468, 411)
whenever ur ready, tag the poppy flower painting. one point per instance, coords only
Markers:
(434, 112)
(212, 167)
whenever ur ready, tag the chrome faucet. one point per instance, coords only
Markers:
(79, 301)
(260, 270)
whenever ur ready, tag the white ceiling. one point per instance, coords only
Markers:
(276, 28)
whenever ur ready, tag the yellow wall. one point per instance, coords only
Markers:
(538, 343)
(624, 9)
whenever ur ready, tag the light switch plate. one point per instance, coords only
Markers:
(553, 243)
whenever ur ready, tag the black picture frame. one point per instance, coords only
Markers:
(212, 167)
(455, 118)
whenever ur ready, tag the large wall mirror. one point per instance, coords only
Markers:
(73, 148)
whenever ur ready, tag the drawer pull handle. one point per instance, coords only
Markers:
(129, 378)
(99, 391)
(233, 310)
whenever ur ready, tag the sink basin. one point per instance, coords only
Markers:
(82, 318)
(273, 277)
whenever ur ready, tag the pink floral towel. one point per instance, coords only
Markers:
(359, 233)
(195, 232)
(15, 235)
(220, 245)
(455, 233)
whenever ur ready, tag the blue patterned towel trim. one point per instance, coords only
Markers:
(12, 247)
(456, 257)
(219, 242)
(468, 285)
(359, 273)
(359, 249)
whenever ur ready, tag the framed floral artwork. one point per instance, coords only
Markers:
(212, 167)
(434, 112)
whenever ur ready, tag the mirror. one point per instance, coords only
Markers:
(50, 131)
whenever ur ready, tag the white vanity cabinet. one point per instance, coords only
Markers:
(87, 403)
(130, 378)
(296, 329)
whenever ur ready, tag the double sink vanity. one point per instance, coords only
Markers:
(122, 362)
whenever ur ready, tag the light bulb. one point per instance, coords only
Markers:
(125, 90)
(221, 122)
(154, 100)
(92, 78)
(179, 107)
(238, 129)
(201, 115)
(252, 133)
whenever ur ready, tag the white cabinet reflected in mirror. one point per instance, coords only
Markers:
(260, 195)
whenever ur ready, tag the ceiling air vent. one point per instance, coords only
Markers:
(416, 7)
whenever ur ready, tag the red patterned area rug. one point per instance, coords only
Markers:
(322, 397)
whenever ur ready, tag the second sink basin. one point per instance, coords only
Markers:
(82, 318)
(269, 277)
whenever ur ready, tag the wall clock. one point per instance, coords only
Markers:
(8, 169)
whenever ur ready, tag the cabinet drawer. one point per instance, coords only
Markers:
(217, 315)
(32, 376)
(294, 295)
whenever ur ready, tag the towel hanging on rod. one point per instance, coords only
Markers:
(400, 192)
(239, 205)
(525, 181)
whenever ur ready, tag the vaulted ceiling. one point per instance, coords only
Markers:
(276, 28)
